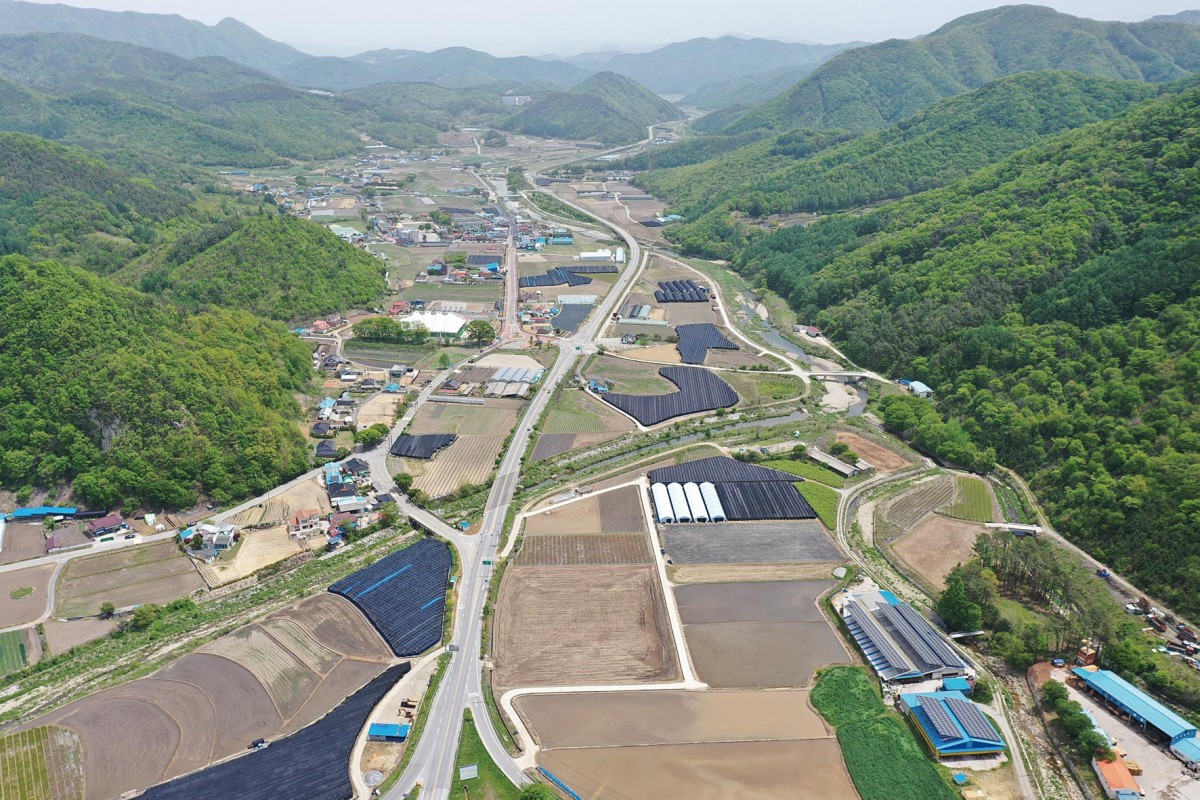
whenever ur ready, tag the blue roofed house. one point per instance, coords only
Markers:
(1154, 718)
(951, 725)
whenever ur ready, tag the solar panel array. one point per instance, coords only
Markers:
(763, 500)
(696, 340)
(972, 719)
(590, 269)
(570, 317)
(879, 639)
(920, 637)
(699, 390)
(310, 764)
(718, 469)
(484, 260)
(943, 723)
(403, 595)
(554, 277)
(420, 445)
(680, 292)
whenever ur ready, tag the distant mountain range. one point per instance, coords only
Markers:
(1191, 17)
(869, 87)
(674, 69)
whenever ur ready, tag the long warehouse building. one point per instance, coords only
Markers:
(1154, 718)
(899, 643)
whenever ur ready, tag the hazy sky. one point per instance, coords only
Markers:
(565, 27)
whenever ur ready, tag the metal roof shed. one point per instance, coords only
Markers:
(1136, 703)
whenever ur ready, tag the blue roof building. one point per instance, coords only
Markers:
(387, 732)
(38, 512)
(898, 642)
(956, 685)
(1143, 710)
(951, 724)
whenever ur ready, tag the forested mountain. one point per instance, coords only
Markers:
(434, 105)
(683, 67)
(278, 267)
(1190, 17)
(133, 402)
(1052, 301)
(607, 107)
(170, 33)
(830, 171)
(870, 87)
(207, 111)
(56, 202)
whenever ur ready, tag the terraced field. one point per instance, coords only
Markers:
(904, 512)
(972, 500)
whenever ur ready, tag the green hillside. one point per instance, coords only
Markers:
(459, 67)
(744, 91)
(131, 401)
(607, 107)
(57, 202)
(822, 172)
(96, 94)
(278, 267)
(870, 87)
(1052, 302)
(436, 106)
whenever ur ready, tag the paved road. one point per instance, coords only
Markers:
(433, 765)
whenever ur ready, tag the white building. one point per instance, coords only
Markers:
(439, 323)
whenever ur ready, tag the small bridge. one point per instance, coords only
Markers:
(858, 376)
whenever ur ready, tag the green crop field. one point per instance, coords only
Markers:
(823, 500)
(809, 470)
(883, 757)
(491, 782)
(12, 651)
(973, 501)
(40, 764)
(558, 421)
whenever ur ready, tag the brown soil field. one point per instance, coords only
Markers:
(757, 635)
(617, 511)
(736, 358)
(579, 516)
(783, 770)
(481, 433)
(645, 718)
(153, 573)
(741, 573)
(309, 494)
(31, 607)
(778, 601)
(563, 626)
(381, 408)
(22, 541)
(878, 456)
(469, 460)
(691, 313)
(266, 679)
(937, 546)
(561, 550)
(659, 354)
(62, 636)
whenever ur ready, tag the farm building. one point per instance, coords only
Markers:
(1155, 719)
(387, 732)
(721, 489)
(899, 643)
(920, 389)
(439, 323)
(951, 724)
(38, 512)
(105, 525)
(1116, 779)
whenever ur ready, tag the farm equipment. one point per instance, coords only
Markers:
(1157, 624)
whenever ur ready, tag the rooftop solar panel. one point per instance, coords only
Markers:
(930, 636)
(878, 638)
(972, 719)
(905, 635)
(943, 723)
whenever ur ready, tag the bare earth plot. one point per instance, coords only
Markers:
(153, 573)
(259, 548)
(779, 770)
(643, 718)
(618, 511)
(265, 679)
(757, 635)
(22, 541)
(61, 635)
(569, 549)
(878, 456)
(381, 408)
(27, 607)
(681, 574)
(937, 546)
(792, 542)
(567, 626)
(578, 420)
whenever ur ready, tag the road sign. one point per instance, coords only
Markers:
(468, 772)
(487, 563)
